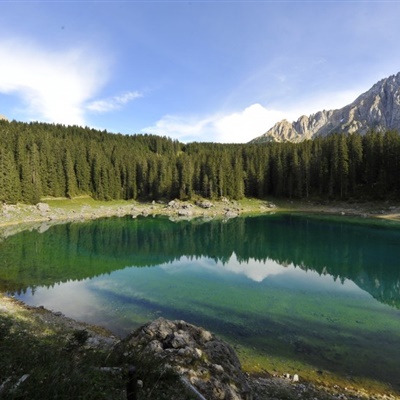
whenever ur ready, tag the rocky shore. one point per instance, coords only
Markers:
(18, 217)
(202, 365)
(206, 366)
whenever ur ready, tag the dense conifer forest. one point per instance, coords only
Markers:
(39, 160)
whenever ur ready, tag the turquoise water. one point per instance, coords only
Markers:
(291, 288)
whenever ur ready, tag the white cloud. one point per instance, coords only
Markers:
(237, 127)
(245, 125)
(113, 103)
(54, 85)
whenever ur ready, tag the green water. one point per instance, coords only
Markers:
(291, 290)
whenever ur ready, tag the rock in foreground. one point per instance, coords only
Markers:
(210, 365)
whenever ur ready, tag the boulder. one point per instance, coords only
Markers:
(209, 364)
(231, 214)
(43, 207)
(184, 212)
(204, 203)
(173, 204)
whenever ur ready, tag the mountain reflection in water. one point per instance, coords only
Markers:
(257, 247)
(288, 288)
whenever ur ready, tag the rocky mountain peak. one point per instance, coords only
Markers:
(378, 109)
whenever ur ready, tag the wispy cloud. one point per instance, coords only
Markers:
(113, 103)
(183, 128)
(54, 86)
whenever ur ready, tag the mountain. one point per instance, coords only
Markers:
(378, 109)
(3, 117)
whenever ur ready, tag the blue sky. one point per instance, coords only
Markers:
(222, 71)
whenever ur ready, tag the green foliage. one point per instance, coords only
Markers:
(50, 371)
(39, 160)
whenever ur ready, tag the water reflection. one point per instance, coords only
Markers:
(257, 247)
(291, 287)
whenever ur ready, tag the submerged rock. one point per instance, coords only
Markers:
(208, 363)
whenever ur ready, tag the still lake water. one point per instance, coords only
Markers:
(290, 289)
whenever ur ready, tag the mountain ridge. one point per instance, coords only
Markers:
(377, 109)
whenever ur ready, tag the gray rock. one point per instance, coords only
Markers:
(204, 204)
(231, 214)
(43, 207)
(205, 361)
(184, 212)
(43, 227)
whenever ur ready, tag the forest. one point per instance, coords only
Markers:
(41, 160)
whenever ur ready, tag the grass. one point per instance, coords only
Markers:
(77, 203)
(58, 364)
(55, 366)
(47, 361)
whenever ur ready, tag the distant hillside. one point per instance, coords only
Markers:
(3, 117)
(377, 109)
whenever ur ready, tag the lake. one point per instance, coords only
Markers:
(319, 295)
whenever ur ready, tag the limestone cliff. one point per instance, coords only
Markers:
(378, 109)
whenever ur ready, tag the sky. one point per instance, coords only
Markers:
(204, 71)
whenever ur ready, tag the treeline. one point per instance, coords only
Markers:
(38, 160)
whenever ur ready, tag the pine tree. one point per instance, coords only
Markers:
(355, 162)
(343, 165)
(9, 179)
(71, 188)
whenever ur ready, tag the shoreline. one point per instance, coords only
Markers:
(59, 211)
(47, 323)
(19, 217)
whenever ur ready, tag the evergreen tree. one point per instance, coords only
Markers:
(343, 165)
(71, 188)
(355, 162)
(9, 179)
